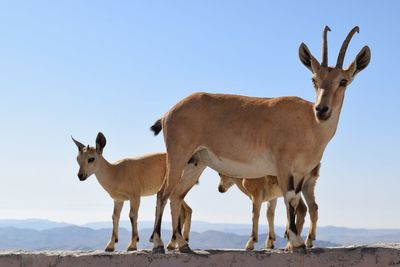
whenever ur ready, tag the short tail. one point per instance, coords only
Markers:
(157, 127)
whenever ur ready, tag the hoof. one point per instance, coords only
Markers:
(109, 249)
(302, 249)
(171, 248)
(270, 247)
(309, 243)
(185, 249)
(131, 249)
(159, 250)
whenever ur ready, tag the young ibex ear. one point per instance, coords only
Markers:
(100, 142)
(361, 61)
(308, 59)
(78, 144)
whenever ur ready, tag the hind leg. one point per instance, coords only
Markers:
(257, 201)
(133, 217)
(176, 163)
(269, 243)
(189, 178)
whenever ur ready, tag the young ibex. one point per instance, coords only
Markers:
(253, 137)
(266, 189)
(127, 179)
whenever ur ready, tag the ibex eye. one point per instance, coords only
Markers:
(90, 160)
(343, 82)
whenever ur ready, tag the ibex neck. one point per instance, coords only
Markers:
(105, 174)
(329, 127)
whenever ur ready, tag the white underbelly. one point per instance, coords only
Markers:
(253, 168)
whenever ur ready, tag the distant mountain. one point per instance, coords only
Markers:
(83, 238)
(358, 236)
(44, 234)
(198, 226)
(36, 224)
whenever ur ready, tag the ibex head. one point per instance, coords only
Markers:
(331, 82)
(225, 183)
(88, 157)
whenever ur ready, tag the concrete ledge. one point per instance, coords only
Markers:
(372, 255)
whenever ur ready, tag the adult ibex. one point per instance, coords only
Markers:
(250, 137)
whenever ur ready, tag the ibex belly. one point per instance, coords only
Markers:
(255, 167)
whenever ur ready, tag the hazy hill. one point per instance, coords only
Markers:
(35, 234)
(36, 224)
(83, 238)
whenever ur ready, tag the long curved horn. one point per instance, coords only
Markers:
(342, 53)
(325, 47)
(78, 144)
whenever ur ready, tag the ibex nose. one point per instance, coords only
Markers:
(321, 109)
(81, 176)
(322, 112)
(221, 189)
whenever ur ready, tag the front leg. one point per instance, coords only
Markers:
(309, 196)
(115, 218)
(256, 215)
(269, 243)
(291, 193)
(301, 212)
(186, 219)
(133, 216)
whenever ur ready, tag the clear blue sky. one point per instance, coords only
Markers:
(79, 67)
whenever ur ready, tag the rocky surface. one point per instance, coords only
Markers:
(372, 255)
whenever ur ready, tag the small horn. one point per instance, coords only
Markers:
(325, 47)
(78, 144)
(342, 53)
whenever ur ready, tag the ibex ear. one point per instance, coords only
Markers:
(361, 61)
(100, 142)
(307, 59)
(78, 144)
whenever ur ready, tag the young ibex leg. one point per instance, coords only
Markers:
(189, 178)
(301, 212)
(308, 193)
(269, 243)
(133, 217)
(257, 201)
(186, 219)
(115, 218)
(158, 245)
(292, 197)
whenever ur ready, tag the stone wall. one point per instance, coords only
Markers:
(373, 255)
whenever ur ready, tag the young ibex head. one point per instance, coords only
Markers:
(88, 156)
(225, 183)
(331, 82)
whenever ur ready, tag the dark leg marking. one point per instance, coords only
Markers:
(179, 229)
(292, 225)
(290, 186)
